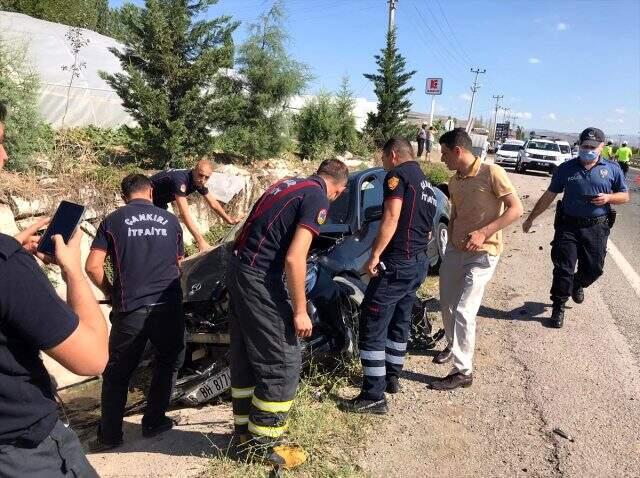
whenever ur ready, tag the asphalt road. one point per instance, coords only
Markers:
(626, 232)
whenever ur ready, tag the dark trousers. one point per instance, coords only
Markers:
(624, 165)
(385, 320)
(58, 455)
(163, 325)
(265, 354)
(585, 245)
(421, 143)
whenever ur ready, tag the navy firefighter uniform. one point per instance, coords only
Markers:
(581, 228)
(171, 183)
(265, 354)
(145, 246)
(386, 310)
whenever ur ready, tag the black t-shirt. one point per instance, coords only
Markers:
(171, 183)
(269, 229)
(407, 183)
(144, 243)
(32, 318)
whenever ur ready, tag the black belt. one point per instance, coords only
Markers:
(584, 221)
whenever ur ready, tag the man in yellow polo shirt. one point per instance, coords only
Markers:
(623, 156)
(483, 203)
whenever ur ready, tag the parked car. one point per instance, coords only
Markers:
(565, 149)
(335, 286)
(507, 153)
(539, 155)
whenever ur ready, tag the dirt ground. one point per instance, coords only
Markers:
(529, 380)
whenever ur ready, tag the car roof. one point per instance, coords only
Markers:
(541, 140)
(513, 141)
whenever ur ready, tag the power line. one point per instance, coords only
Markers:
(456, 56)
(495, 116)
(455, 38)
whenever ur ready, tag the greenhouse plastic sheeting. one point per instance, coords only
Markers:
(91, 99)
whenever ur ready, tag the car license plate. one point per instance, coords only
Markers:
(213, 387)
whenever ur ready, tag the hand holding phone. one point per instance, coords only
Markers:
(65, 221)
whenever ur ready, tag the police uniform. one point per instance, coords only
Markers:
(171, 183)
(623, 156)
(581, 228)
(386, 309)
(607, 152)
(145, 245)
(265, 354)
(33, 441)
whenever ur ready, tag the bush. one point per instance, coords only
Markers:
(25, 132)
(436, 173)
(317, 126)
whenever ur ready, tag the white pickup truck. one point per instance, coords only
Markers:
(540, 155)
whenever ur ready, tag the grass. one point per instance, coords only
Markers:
(331, 438)
(436, 173)
(430, 287)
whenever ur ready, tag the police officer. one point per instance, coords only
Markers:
(265, 327)
(607, 151)
(145, 246)
(176, 184)
(398, 266)
(623, 156)
(583, 219)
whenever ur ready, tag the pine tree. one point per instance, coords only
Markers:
(390, 88)
(346, 134)
(253, 114)
(170, 62)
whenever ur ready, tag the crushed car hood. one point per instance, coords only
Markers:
(201, 273)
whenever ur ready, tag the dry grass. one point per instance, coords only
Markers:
(331, 438)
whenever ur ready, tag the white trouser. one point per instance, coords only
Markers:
(463, 277)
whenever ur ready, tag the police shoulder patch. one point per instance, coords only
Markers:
(393, 182)
(183, 188)
(322, 216)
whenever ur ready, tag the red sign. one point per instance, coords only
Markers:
(434, 86)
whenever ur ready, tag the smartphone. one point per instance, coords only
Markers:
(589, 197)
(65, 221)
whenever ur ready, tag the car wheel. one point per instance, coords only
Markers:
(442, 239)
(520, 168)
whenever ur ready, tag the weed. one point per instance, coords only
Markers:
(436, 173)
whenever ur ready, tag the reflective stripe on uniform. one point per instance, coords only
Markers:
(242, 392)
(240, 419)
(272, 407)
(399, 346)
(374, 371)
(272, 432)
(372, 354)
(394, 359)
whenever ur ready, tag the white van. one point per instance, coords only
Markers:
(565, 149)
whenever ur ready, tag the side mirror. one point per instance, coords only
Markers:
(373, 213)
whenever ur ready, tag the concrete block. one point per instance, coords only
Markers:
(7, 221)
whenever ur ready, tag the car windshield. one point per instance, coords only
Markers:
(509, 147)
(565, 148)
(543, 146)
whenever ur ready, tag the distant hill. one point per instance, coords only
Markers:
(632, 139)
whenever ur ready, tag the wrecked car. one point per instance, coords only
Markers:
(335, 288)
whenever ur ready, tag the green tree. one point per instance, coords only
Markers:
(25, 133)
(254, 113)
(170, 62)
(318, 127)
(390, 87)
(346, 134)
(89, 14)
(118, 20)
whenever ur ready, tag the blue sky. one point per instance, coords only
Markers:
(560, 64)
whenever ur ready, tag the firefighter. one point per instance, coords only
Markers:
(266, 284)
(397, 266)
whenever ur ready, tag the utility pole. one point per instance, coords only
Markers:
(495, 115)
(474, 88)
(504, 113)
(393, 4)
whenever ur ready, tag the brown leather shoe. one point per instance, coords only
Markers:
(453, 381)
(443, 356)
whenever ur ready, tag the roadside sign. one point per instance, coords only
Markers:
(502, 131)
(434, 86)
